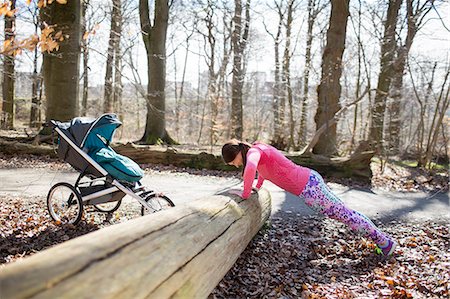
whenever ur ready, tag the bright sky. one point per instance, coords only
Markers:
(432, 42)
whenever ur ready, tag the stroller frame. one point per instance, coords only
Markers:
(85, 193)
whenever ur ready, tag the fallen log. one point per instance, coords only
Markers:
(182, 252)
(20, 148)
(356, 166)
(147, 154)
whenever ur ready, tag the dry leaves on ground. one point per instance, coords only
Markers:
(312, 257)
(26, 227)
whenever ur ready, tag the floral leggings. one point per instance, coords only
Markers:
(321, 199)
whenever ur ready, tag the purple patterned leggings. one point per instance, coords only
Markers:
(321, 199)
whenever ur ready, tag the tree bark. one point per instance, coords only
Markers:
(329, 89)
(108, 99)
(118, 86)
(312, 14)
(414, 20)
(61, 67)
(170, 254)
(440, 111)
(36, 86)
(358, 77)
(85, 54)
(278, 111)
(239, 40)
(287, 71)
(385, 77)
(7, 119)
(155, 36)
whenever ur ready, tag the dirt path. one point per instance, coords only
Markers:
(182, 187)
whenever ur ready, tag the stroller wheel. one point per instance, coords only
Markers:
(108, 207)
(64, 203)
(157, 202)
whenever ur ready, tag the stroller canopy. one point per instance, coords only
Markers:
(87, 133)
(93, 136)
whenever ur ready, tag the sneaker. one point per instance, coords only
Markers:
(388, 250)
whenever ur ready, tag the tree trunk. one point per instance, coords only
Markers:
(239, 41)
(385, 77)
(302, 132)
(35, 111)
(329, 89)
(36, 87)
(183, 81)
(154, 36)
(440, 111)
(277, 119)
(358, 77)
(287, 71)
(85, 54)
(118, 86)
(108, 99)
(414, 19)
(212, 97)
(7, 119)
(61, 67)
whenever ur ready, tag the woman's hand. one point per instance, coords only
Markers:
(235, 192)
(239, 192)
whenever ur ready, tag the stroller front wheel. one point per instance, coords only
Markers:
(157, 202)
(64, 203)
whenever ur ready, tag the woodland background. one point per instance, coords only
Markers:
(324, 79)
(331, 77)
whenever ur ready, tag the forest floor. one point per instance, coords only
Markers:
(292, 257)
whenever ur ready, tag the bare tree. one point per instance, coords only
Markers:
(441, 109)
(36, 86)
(239, 41)
(112, 60)
(85, 56)
(118, 85)
(314, 8)
(416, 11)
(329, 89)
(385, 76)
(154, 34)
(7, 119)
(180, 102)
(286, 78)
(216, 62)
(278, 101)
(420, 131)
(61, 67)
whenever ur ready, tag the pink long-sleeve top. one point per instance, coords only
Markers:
(272, 165)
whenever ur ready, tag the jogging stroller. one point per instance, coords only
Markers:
(105, 176)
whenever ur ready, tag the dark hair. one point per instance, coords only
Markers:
(232, 148)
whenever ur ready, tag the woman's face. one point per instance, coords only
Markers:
(237, 161)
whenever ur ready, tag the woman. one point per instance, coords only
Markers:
(306, 183)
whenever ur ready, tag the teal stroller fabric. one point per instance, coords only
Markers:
(118, 166)
(96, 144)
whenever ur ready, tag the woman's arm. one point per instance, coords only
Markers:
(260, 181)
(253, 156)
